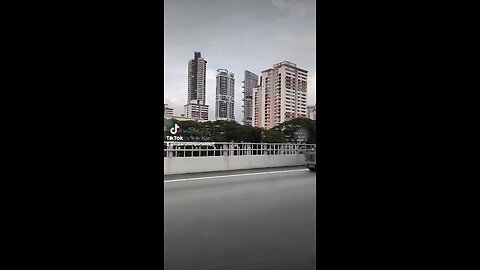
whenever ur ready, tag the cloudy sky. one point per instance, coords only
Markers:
(236, 35)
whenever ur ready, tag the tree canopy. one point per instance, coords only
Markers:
(299, 130)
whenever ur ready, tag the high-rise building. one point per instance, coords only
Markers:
(312, 112)
(196, 110)
(197, 69)
(166, 110)
(258, 104)
(250, 81)
(225, 98)
(282, 95)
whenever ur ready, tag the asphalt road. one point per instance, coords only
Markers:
(263, 219)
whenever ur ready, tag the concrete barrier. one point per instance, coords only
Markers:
(180, 165)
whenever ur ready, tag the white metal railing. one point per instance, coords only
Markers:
(206, 149)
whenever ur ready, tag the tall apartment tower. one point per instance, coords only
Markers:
(225, 98)
(258, 104)
(282, 95)
(197, 69)
(250, 81)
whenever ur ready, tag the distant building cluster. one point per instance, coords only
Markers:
(280, 95)
(167, 111)
(183, 118)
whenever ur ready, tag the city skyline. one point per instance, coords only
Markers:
(244, 35)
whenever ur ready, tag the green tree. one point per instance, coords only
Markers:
(167, 124)
(193, 131)
(273, 136)
(298, 130)
(249, 134)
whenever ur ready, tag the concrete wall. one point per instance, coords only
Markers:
(178, 165)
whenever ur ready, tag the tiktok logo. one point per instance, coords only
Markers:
(174, 129)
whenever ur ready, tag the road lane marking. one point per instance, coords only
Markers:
(233, 175)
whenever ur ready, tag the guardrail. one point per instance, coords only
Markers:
(212, 149)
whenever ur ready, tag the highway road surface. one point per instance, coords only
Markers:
(260, 219)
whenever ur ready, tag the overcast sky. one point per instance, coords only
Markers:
(236, 35)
